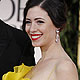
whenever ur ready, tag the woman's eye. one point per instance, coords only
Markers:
(40, 22)
(28, 22)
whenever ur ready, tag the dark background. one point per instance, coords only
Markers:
(69, 36)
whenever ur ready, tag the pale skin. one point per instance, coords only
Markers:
(55, 64)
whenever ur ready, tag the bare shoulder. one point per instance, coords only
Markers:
(66, 70)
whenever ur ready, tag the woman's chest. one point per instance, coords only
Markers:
(44, 72)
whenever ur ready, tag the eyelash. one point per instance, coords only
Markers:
(38, 22)
(27, 22)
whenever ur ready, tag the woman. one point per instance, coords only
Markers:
(43, 21)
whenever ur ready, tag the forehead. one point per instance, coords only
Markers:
(37, 12)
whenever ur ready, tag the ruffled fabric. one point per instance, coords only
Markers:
(18, 74)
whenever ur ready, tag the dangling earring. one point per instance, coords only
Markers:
(57, 36)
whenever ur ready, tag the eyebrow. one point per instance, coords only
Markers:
(39, 18)
(35, 18)
(27, 19)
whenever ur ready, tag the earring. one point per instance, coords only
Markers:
(57, 36)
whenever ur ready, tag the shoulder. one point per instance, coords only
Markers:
(67, 64)
(66, 70)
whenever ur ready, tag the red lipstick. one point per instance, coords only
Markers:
(35, 36)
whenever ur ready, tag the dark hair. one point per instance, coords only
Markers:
(56, 10)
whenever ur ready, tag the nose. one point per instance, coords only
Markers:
(33, 28)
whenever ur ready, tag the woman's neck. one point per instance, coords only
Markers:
(51, 50)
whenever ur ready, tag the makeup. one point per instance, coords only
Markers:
(36, 36)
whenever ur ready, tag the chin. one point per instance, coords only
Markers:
(36, 44)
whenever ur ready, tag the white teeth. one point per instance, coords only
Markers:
(35, 33)
(35, 36)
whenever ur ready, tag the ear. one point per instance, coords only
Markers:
(58, 29)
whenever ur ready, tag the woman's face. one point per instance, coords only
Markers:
(39, 27)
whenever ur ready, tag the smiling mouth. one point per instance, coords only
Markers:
(35, 36)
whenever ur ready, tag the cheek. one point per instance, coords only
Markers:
(50, 32)
(27, 29)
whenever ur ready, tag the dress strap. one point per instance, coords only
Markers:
(51, 72)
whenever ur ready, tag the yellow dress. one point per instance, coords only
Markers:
(18, 74)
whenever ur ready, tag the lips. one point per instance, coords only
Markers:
(35, 36)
